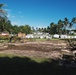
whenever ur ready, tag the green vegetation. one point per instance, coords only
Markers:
(5, 24)
(62, 27)
(38, 60)
(41, 39)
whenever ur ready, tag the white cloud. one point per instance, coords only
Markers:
(8, 15)
(14, 23)
(13, 16)
(41, 26)
(19, 12)
(7, 10)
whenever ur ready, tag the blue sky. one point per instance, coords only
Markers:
(39, 13)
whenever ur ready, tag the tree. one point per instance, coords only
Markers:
(60, 26)
(53, 28)
(33, 29)
(3, 13)
(70, 26)
(66, 22)
(9, 26)
(3, 22)
(48, 29)
(16, 29)
(52, 24)
(3, 17)
(45, 30)
(25, 29)
(73, 20)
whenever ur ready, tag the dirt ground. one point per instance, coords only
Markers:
(47, 49)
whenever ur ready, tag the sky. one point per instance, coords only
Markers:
(39, 13)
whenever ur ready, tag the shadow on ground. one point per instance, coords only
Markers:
(26, 66)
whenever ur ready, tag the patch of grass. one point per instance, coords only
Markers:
(7, 55)
(38, 60)
(41, 39)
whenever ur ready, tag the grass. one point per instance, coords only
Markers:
(19, 65)
(40, 39)
(38, 60)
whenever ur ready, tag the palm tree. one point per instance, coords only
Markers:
(66, 23)
(48, 29)
(73, 20)
(8, 27)
(60, 26)
(70, 26)
(3, 13)
(3, 17)
(53, 28)
(3, 22)
(52, 24)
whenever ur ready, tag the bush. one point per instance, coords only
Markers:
(4, 37)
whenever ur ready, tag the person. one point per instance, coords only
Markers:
(11, 38)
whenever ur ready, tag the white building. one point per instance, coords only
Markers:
(64, 36)
(29, 36)
(55, 36)
(39, 35)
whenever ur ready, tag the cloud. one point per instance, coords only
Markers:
(8, 10)
(14, 23)
(13, 16)
(8, 15)
(41, 26)
(20, 12)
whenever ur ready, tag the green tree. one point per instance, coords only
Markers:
(53, 28)
(66, 22)
(15, 29)
(70, 26)
(3, 18)
(73, 20)
(52, 24)
(25, 29)
(3, 23)
(9, 26)
(45, 30)
(33, 29)
(60, 26)
(48, 29)
(3, 13)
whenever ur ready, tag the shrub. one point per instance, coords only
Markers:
(4, 37)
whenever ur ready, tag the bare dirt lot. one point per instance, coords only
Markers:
(47, 49)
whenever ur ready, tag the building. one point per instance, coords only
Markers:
(21, 35)
(39, 35)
